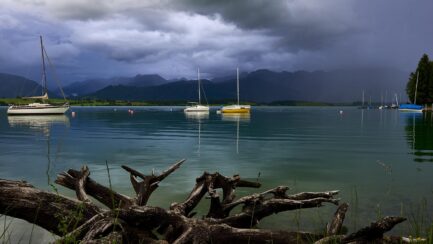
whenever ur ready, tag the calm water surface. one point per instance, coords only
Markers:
(381, 160)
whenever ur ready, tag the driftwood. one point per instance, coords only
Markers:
(130, 220)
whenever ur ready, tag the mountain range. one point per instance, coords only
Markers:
(89, 86)
(12, 86)
(261, 86)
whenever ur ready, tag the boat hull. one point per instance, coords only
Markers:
(197, 109)
(24, 110)
(237, 109)
(411, 108)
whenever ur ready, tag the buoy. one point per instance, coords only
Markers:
(341, 111)
(73, 114)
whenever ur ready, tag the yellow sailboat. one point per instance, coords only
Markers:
(236, 108)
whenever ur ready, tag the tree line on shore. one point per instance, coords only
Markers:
(424, 89)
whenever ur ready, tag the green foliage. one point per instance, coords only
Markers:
(425, 82)
(70, 222)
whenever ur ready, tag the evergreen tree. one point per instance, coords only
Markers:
(425, 82)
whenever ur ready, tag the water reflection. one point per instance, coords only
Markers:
(42, 123)
(419, 131)
(199, 117)
(236, 117)
(38, 123)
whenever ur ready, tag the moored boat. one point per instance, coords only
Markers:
(412, 107)
(37, 108)
(236, 108)
(197, 107)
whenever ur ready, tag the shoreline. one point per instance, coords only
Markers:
(124, 103)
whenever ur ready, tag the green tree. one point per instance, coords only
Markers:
(425, 82)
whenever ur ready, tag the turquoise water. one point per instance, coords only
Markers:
(380, 160)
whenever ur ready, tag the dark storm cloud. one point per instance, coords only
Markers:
(173, 37)
(300, 24)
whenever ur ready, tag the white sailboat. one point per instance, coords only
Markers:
(237, 108)
(197, 107)
(39, 108)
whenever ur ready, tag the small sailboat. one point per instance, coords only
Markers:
(412, 107)
(197, 107)
(236, 108)
(395, 105)
(362, 104)
(39, 108)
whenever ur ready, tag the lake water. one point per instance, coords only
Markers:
(380, 160)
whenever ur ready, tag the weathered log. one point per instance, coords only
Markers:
(50, 211)
(334, 239)
(334, 227)
(130, 221)
(81, 181)
(375, 230)
(101, 193)
(227, 234)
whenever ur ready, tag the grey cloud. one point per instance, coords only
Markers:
(173, 37)
(300, 24)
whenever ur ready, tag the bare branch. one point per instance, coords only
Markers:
(170, 170)
(256, 208)
(81, 181)
(212, 181)
(149, 183)
(310, 195)
(334, 227)
(101, 193)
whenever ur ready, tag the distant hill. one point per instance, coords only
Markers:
(267, 86)
(146, 80)
(92, 85)
(12, 86)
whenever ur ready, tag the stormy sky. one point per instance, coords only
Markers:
(106, 38)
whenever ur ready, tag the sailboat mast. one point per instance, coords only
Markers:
(416, 86)
(198, 80)
(381, 99)
(363, 98)
(237, 82)
(44, 75)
